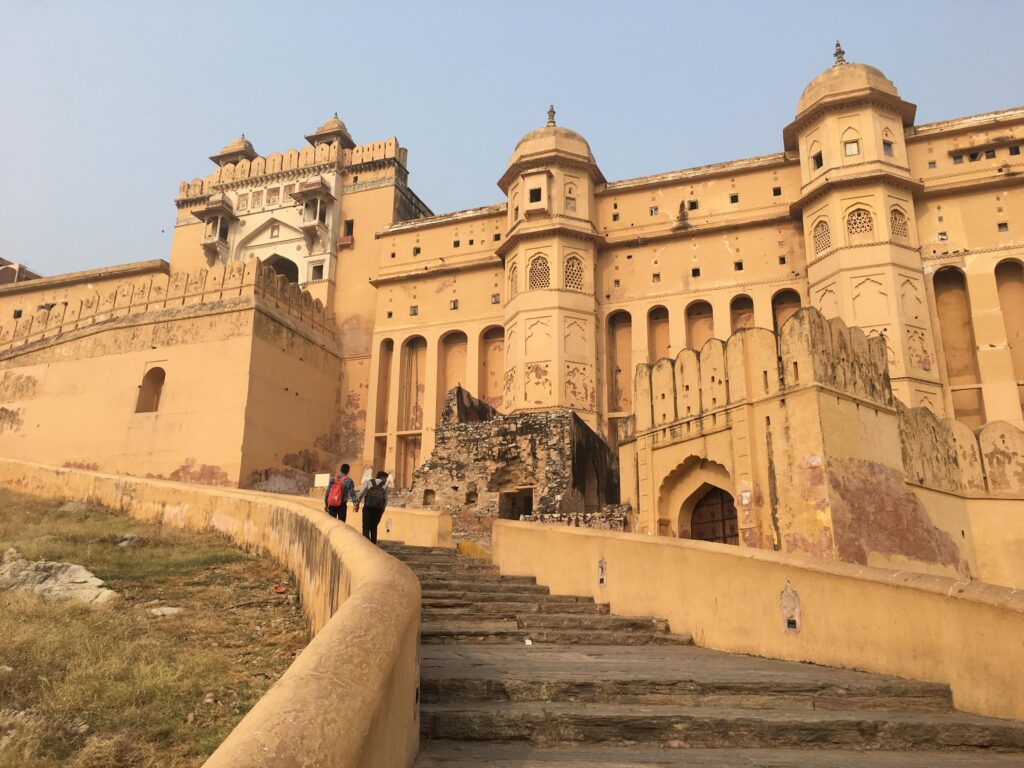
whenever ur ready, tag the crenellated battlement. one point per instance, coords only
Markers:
(151, 293)
(324, 154)
(694, 392)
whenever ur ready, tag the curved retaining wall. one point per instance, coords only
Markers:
(967, 634)
(350, 699)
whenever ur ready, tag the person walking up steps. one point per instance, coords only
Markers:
(340, 490)
(375, 493)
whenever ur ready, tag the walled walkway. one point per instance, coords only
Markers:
(594, 689)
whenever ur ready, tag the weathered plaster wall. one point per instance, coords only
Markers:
(888, 621)
(360, 669)
(250, 394)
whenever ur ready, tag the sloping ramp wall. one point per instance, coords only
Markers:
(350, 699)
(966, 634)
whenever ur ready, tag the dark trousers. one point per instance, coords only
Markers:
(339, 512)
(371, 519)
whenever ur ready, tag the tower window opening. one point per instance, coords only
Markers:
(150, 390)
(1003, 226)
(782, 259)
(989, 154)
(496, 237)
(453, 304)
(737, 266)
(958, 159)
(615, 217)
(734, 198)
(653, 210)
(455, 243)
(656, 277)
(887, 148)
(851, 148)
(349, 228)
(495, 298)
(943, 237)
(931, 164)
(695, 272)
(691, 205)
(539, 274)
(1015, 149)
(414, 310)
(817, 161)
(974, 156)
(776, 191)
(535, 195)
(416, 250)
(822, 237)
(573, 274)
(318, 272)
(17, 314)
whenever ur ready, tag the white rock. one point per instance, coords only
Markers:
(165, 611)
(53, 581)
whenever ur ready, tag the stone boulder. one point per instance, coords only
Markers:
(52, 581)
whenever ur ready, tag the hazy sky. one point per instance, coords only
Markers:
(107, 105)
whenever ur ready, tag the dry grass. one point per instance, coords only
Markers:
(115, 686)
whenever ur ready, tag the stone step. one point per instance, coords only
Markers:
(675, 727)
(434, 592)
(911, 697)
(529, 620)
(458, 754)
(477, 578)
(431, 633)
(455, 566)
(467, 585)
(397, 548)
(488, 608)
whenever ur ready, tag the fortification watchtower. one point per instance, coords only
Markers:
(857, 204)
(549, 255)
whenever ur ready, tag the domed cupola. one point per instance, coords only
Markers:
(541, 146)
(843, 83)
(239, 149)
(333, 128)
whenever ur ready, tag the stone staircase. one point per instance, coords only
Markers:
(514, 677)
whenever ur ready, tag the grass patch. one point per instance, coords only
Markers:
(115, 686)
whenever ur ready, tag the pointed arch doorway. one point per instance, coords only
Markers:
(714, 517)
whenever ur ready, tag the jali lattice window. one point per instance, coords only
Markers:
(540, 274)
(859, 221)
(822, 237)
(573, 274)
(898, 224)
(513, 280)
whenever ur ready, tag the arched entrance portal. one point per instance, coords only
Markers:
(283, 266)
(714, 518)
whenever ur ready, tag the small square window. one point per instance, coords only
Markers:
(943, 237)
(656, 277)
(931, 163)
(695, 272)
(392, 254)
(737, 266)
(734, 198)
(887, 148)
(616, 284)
(275, 230)
(390, 314)
(243, 202)
(817, 160)
(941, 219)
(497, 237)
(414, 310)
(570, 203)
(1015, 149)
(453, 304)
(515, 213)
(615, 217)
(350, 228)
(958, 159)
(318, 272)
(1003, 226)
(455, 243)
(416, 250)
(851, 148)
(615, 206)
(257, 199)
(782, 259)
(653, 210)
(974, 156)
(629, 256)
(989, 154)
(355, 179)
(17, 314)
(471, 241)
(535, 195)
(273, 194)
(776, 191)
(495, 298)
(691, 205)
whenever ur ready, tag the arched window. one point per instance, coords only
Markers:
(570, 198)
(283, 266)
(700, 324)
(741, 311)
(822, 237)
(513, 281)
(898, 224)
(859, 222)
(785, 304)
(539, 274)
(149, 391)
(573, 274)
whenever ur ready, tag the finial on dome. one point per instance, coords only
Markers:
(551, 116)
(840, 54)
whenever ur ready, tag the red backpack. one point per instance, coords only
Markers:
(336, 492)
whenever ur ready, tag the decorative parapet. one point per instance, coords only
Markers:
(321, 157)
(150, 293)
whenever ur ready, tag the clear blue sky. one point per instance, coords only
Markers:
(108, 105)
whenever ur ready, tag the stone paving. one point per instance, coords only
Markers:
(513, 677)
